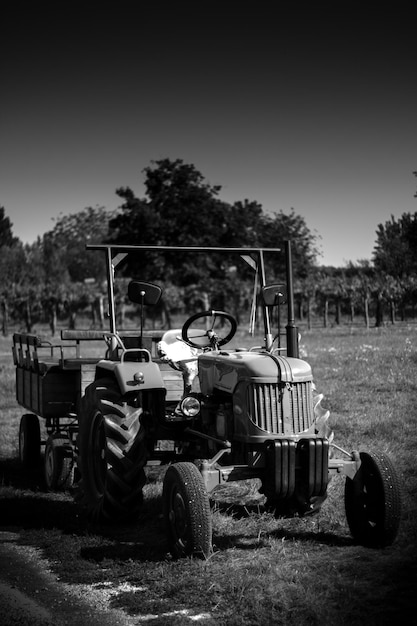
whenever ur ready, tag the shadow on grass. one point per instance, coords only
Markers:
(13, 474)
(25, 504)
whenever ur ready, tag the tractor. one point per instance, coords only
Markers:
(115, 401)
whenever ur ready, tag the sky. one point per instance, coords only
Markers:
(313, 109)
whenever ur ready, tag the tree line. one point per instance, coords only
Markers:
(55, 278)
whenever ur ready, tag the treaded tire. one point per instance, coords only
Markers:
(186, 511)
(373, 501)
(111, 454)
(58, 463)
(29, 441)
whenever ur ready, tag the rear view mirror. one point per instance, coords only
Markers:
(274, 294)
(144, 293)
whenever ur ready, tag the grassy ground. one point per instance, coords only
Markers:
(262, 571)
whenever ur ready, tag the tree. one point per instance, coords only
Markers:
(12, 268)
(182, 209)
(6, 234)
(245, 221)
(11, 264)
(187, 206)
(67, 265)
(65, 245)
(278, 227)
(395, 251)
(137, 223)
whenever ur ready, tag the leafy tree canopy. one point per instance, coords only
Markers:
(64, 253)
(182, 209)
(12, 257)
(6, 234)
(277, 228)
(395, 251)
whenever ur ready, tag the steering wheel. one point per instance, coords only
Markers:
(201, 335)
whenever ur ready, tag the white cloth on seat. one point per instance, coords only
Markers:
(173, 348)
(177, 353)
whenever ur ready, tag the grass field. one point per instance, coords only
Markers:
(263, 571)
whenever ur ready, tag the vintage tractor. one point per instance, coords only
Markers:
(182, 398)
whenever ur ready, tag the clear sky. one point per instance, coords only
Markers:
(314, 110)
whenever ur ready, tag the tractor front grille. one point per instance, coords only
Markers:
(281, 408)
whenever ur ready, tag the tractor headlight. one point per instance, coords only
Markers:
(190, 406)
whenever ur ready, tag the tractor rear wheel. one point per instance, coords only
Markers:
(111, 453)
(186, 511)
(58, 463)
(373, 501)
(29, 441)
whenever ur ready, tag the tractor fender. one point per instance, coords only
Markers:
(132, 376)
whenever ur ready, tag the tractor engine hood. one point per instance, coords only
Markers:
(224, 370)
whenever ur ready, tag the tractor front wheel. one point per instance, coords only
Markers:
(186, 511)
(111, 454)
(373, 501)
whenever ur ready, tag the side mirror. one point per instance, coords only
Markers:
(274, 295)
(144, 293)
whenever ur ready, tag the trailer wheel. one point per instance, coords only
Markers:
(373, 501)
(111, 453)
(186, 511)
(29, 441)
(58, 463)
